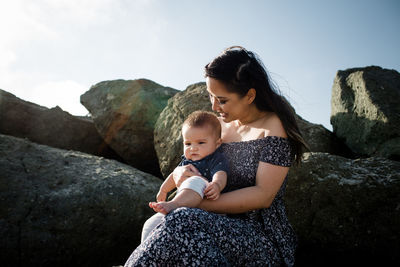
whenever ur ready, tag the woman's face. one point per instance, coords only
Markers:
(230, 106)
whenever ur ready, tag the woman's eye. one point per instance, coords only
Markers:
(220, 102)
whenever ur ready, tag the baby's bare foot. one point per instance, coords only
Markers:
(163, 207)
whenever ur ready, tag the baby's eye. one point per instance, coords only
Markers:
(187, 144)
(202, 143)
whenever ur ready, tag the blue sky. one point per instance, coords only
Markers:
(52, 51)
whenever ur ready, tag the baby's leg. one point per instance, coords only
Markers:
(185, 198)
(150, 224)
(190, 194)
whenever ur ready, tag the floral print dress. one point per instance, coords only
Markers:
(194, 237)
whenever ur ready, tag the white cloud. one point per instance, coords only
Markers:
(19, 23)
(65, 94)
(24, 22)
(7, 58)
(51, 50)
(82, 10)
(17, 28)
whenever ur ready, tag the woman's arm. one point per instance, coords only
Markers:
(269, 179)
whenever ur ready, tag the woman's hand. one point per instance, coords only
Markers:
(181, 173)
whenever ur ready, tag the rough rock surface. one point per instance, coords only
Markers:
(167, 133)
(168, 139)
(320, 139)
(345, 210)
(66, 208)
(53, 127)
(365, 110)
(124, 113)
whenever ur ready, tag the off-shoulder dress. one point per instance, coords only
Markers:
(194, 237)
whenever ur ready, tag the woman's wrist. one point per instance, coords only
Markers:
(205, 204)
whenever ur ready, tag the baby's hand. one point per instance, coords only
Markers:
(212, 191)
(161, 196)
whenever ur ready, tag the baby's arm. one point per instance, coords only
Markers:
(166, 186)
(215, 187)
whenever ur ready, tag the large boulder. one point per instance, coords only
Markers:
(124, 113)
(53, 127)
(168, 140)
(345, 210)
(365, 110)
(66, 208)
(320, 139)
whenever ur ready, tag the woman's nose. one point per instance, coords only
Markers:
(214, 104)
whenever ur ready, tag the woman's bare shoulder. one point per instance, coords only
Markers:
(273, 126)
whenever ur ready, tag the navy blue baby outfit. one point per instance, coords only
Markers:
(209, 165)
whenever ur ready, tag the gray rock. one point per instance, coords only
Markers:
(124, 113)
(349, 209)
(365, 110)
(66, 208)
(168, 140)
(53, 127)
(320, 139)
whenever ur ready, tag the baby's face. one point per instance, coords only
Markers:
(199, 142)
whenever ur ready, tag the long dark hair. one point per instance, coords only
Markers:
(240, 70)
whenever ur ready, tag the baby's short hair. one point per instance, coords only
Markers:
(201, 118)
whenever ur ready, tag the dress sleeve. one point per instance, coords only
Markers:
(277, 151)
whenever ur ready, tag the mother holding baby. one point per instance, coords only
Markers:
(260, 139)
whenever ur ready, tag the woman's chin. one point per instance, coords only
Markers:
(224, 117)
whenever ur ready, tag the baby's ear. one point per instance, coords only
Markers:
(219, 142)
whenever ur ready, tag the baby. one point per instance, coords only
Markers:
(201, 134)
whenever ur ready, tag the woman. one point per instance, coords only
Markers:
(260, 139)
